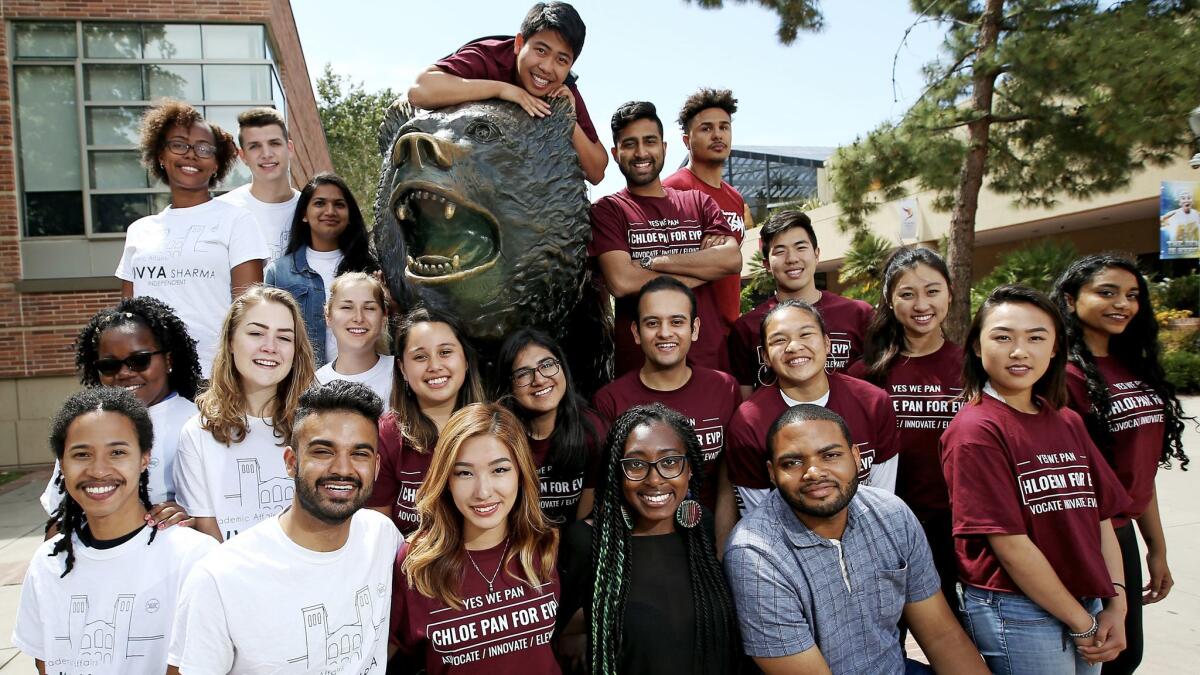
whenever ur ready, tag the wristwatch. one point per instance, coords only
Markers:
(646, 262)
(1089, 632)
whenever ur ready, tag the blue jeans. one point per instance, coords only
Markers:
(1016, 637)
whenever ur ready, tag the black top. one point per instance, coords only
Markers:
(660, 624)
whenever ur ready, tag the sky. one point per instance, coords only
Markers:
(826, 89)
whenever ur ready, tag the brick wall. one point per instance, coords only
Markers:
(37, 330)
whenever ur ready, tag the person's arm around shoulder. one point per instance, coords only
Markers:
(942, 638)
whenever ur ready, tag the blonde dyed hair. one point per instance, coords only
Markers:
(223, 407)
(437, 552)
(383, 342)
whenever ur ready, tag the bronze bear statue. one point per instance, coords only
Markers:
(482, 212)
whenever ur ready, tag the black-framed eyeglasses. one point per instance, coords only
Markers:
(668, 467)
(137, 362)
(203, 149)
(523, 377)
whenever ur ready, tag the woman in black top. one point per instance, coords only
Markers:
(644, 569)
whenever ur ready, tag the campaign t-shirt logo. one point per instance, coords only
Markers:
(501, 622)
(925, 406)
(335, 648)
(711, 435)
(839, 351)
(99, 641)
(735, 220)
(1056, 481)
(406, 501)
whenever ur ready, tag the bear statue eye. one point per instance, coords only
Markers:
(483, 131)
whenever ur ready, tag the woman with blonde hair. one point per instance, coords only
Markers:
(357, 314)
(229, 470)
(476, 586)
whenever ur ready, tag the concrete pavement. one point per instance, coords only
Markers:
(1172, 626)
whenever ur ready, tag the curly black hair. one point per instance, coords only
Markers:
(703, 100)
(69, 517)
(153, 137)
(169, 331)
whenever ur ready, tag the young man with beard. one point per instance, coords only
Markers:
(647, 230)
(707, 122)
(265, 147)
(526, 70)
(790, 251)
(310, 589)
(666, 328)
(824, 571)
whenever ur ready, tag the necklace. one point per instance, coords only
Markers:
(498, 567)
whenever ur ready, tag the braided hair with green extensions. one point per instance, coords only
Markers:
(716, 632)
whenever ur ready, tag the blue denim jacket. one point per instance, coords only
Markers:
(292, 273)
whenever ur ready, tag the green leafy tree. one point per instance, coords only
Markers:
(1036, 266)
(351, 119)
(862, 267)
(1043, 98)
(760, 285)
(794, 15)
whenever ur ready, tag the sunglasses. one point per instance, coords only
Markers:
(136, 362)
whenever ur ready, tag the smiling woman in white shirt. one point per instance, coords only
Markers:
(197, 254)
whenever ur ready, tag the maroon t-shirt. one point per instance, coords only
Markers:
(507, 630)
(728, 289)
(845, 323)
(1039, 475)
(401, 471)
(1137, 422)
(653, 226)
(708, 400)
(497, 60)
(924, 392)
(560, 494)
(865, 407)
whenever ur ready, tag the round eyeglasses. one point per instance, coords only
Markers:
(523, 377)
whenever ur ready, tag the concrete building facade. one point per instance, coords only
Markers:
(75, 77)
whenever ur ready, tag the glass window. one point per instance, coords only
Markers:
(46, 114)
(115, 213)
(45, 40)
(226, 118)
(53, 214)
(234, 42)
(112, 40)
(182, 82)
(114, 83)
(171, 41)
(278, 95)
(237, 83)
(113, 126)
(117, 171)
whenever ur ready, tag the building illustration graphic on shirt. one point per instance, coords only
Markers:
(271, 493)
(337, 648)
(99, 642)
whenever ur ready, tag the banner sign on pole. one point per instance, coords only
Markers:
(1178, 221)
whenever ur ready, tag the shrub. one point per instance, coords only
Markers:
(1183, 370)
(1180, 293)
(1036, 266)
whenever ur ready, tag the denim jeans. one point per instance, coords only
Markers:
(1016, 637)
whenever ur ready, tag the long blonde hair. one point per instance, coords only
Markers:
(436, 555)
(223, 406)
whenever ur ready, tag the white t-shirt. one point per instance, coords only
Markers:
(378, 377)
(325, 263)
(184, 258)
(113, 612)
(264, 604)
(239, 484)
(274, 220)
(168, 417)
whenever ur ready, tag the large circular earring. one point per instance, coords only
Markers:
(764, 371)
(688, 513)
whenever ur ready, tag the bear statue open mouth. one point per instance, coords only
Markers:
(448, 237)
